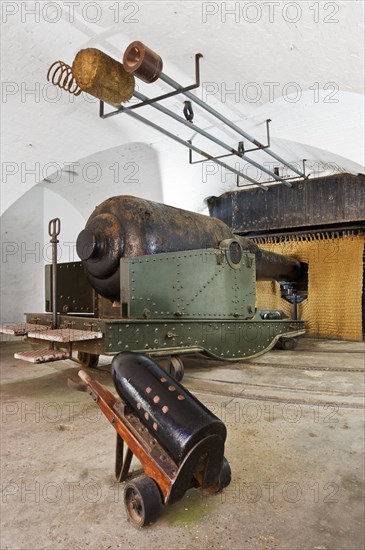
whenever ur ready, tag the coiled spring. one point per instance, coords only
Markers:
(60, 74)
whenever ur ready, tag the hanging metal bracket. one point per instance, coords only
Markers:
(187, 120)
(152, 100)
(276, 170)
(240, 148)
(260, 146)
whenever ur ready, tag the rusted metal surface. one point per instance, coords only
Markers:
(60, 74)
(45, 355)
(134, 434)
(64, 335)
(126, 226)
(22, 329)
(328, 202)
(54, 228)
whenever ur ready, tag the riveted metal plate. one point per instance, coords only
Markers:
(197, 284)
(75, 294)
(223, 339)
(333, 201)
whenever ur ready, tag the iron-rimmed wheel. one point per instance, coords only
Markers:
(142, 501)
(88, 360)
(225, 475)
(287, 343)
(176, 368)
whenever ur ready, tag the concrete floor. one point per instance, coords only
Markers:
(295, 444)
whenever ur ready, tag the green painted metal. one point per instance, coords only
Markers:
(180, 302)
(75, 295)
(197, 284)
(223, 339)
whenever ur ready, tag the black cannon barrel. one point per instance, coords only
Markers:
(126, 226)
(270, 265)
(169, 411)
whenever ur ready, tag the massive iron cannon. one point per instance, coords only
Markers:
(163, 281)
(126, 226)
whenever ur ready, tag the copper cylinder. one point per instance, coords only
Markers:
(142, 62)
(102, 76)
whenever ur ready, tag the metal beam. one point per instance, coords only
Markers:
(226, 121)
(202, 132)
(193, 148)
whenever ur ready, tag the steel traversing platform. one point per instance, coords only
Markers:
(222, 339)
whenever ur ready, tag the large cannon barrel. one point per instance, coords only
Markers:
(126, 226)
(169, 411)
(271, 266)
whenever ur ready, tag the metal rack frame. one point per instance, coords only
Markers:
(187, 120)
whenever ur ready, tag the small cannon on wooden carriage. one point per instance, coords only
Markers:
(178, 441)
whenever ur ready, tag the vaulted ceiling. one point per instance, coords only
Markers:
(297, 63)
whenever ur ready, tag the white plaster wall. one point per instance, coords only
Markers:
(132, 169)
(22, 243)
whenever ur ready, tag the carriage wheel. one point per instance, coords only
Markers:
(142, 500)
(176, 368)
(225, 475)
(88, 360)
(287, 343)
